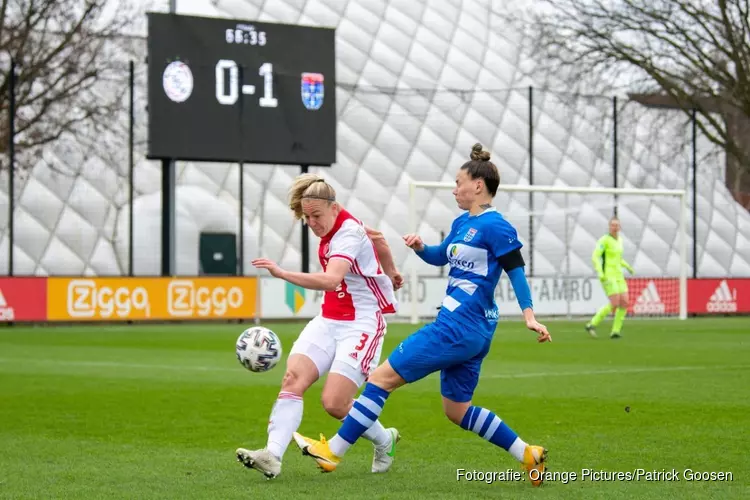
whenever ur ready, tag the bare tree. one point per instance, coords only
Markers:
(71, 75)
(683, 54)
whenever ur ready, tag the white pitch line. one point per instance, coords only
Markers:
(615, 371)
(188, 368)
(115, 364)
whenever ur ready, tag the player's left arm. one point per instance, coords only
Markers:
(507, 248)
(513, 264)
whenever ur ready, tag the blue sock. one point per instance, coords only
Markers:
(365, 411)
(490, 427)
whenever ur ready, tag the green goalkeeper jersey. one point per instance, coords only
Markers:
(607, 258)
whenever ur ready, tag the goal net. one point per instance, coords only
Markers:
(559, 228)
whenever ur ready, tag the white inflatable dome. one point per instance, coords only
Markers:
(72, 209)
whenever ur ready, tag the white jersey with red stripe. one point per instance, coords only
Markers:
(365, 290)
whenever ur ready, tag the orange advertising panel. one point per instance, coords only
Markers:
(113, 299)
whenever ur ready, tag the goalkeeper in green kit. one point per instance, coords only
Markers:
(608, 262)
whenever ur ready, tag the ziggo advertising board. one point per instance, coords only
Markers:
(113, 299)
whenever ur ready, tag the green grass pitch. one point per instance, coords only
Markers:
(157, 411)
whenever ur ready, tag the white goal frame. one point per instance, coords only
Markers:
(678, 193)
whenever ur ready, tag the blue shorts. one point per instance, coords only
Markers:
(457, 355)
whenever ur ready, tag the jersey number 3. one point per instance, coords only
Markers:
(362, 342)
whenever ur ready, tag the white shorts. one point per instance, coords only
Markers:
(349, 348)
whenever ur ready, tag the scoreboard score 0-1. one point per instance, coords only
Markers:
(240, 91)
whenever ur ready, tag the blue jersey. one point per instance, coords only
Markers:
(472, 249)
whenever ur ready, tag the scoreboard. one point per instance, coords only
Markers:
(240, 91)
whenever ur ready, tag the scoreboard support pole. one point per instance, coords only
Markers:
(167, 203)
(167, 217)
(305, 236)
(241, 236)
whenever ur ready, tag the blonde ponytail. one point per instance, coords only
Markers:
(311, 187)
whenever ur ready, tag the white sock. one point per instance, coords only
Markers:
(517, 449)
(286, 416)
(376, 434)
(338, 445)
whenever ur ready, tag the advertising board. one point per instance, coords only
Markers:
(126, 299)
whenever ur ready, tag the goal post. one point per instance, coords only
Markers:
(649, 224)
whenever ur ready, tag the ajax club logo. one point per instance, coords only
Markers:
(177, 81)
(312, 90)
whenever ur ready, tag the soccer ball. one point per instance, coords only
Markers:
(258, 349)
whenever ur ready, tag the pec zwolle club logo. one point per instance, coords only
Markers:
(312, 90)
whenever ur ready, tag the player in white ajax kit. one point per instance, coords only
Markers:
(346, 338)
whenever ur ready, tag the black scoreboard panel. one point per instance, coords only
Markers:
(232, 90)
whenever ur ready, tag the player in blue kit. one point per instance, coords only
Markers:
(480, 246)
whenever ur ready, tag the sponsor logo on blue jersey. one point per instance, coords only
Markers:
(468, 258)
(458, 262)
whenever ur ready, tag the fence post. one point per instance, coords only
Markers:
(531, 180)
(260, 214)
(441, 273)
(12, 162)
(614, 149)
(241, 270)
(131, 166)
(305, 235)
(695, 192)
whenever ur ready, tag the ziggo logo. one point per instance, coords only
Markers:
(184, 299)
(86, 300)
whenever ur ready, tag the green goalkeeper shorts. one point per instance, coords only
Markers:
(614, 286)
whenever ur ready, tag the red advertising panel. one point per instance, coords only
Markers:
(654, 296)
(23, 299)
(718, 296)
